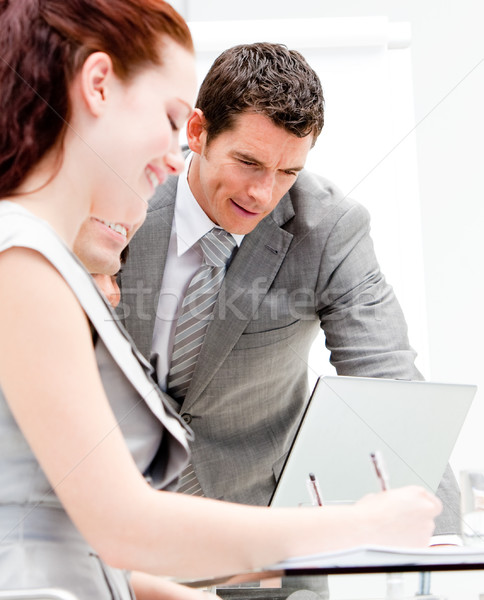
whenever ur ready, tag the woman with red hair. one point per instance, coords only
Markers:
(92, 96)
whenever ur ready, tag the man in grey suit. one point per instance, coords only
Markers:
(303, 261)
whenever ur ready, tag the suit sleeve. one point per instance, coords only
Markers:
(364, 325)
(365, 329)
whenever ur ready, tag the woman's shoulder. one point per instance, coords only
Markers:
(29, 245)
(22, 229)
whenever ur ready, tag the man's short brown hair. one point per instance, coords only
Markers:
(264, 78)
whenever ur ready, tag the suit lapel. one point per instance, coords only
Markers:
(144, 270)
(247, 281)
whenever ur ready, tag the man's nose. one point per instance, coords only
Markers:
(262, 188)
(174, 159)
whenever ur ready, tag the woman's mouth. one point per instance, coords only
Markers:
(155, 176)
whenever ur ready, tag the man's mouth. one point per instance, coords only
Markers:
(245, 210)
(117, 227)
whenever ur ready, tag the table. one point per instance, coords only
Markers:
(449, 579)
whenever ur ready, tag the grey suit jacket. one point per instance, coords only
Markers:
(309, 264)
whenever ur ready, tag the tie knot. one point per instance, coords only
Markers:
(217, 246)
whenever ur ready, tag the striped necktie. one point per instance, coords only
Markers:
(196, 313)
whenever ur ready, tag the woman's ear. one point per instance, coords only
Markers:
(96, 80)
(196, 131)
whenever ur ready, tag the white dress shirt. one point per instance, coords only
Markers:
(184, 258)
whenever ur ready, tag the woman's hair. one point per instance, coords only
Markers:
(43, 45)
(265, 78)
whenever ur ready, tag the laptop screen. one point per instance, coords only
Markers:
(413, 425)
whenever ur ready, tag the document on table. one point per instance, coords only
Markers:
(374, 556)
(361, 559)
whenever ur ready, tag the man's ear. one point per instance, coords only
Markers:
(96, 78)
(196, 132)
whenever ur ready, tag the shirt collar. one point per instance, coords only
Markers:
(190, 221)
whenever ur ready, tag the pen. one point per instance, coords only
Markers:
(377, 460)
(314, 491)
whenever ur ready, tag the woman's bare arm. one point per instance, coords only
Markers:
(64, 414)
(151, 587)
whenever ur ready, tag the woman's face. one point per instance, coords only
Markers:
(136, 146)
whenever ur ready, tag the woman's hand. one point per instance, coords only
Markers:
(400, 517)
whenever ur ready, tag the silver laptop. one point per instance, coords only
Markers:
(413, 425)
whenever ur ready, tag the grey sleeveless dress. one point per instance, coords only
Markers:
(39, 544)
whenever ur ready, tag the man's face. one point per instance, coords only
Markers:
(242, 174)
(109, 287)
(99, 244)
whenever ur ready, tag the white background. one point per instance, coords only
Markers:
(447, 52)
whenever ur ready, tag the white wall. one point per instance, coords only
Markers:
(448, 75)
